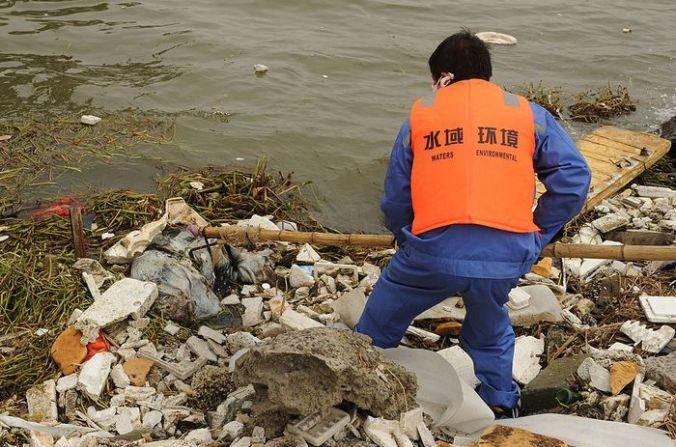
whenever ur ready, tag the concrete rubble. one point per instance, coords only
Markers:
(270, 361)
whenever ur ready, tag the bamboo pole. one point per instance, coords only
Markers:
(236, 234)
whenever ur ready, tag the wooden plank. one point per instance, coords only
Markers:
(616, 157)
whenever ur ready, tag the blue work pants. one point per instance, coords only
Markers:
(405, 290)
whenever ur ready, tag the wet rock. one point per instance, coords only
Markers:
(312, 370)
(622, 374)
(67, 351)
(211, 386)
(540, 394)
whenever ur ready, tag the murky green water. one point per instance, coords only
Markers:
(342, 74)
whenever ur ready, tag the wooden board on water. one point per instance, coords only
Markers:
(616, 157)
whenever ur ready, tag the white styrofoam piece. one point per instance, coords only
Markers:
(659, 309)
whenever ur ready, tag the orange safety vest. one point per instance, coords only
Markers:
(473, 152)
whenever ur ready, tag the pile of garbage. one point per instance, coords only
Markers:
(190, 341)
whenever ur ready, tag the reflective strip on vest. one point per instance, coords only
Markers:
(473, 152)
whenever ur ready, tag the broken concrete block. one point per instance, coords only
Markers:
(137, 370)
(230, 300)
(610, 222)
(636, 404)
(94, 374)
(386, 433)
(296, 321)
(217, 349)
(350, 307)
(135, 242)
(655, 341)
(662, 370)
(409, 422)
(66, 383)
(594, 374)
(152, 419)
(617, 346)
(659, 309)
(123, 424)
(41, 400)
(540, 393)
(232, 430)
(308, 255)
(543, 307)
(199, 436)
(67, 351)
(171, 329)
(427, 336)
(621, 375)
(327, 367)
(242, 442)
(426, 436)
(208, 333)
(201, 348)
(317, 428)
(253, 311)
(300, 278)
(654, 192)
(653, 418)
(126, 298)
(242, 340)
(40, 439)
(527, 352)
(120, 378)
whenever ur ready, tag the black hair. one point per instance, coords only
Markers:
(464, 55)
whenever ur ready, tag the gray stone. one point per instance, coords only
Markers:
(300, 278)
(595, 375)
(232, 429)
(200, 436)
(201, 348)
(662, 370)
(253, 311)
(210, 334)
(120, 378)
(151, 419)
(540, 394)
(241, 340)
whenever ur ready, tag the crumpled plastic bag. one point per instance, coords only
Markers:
(183, 292)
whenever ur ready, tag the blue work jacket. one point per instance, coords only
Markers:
(477, 251)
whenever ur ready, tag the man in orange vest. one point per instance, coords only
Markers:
(459, 197)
